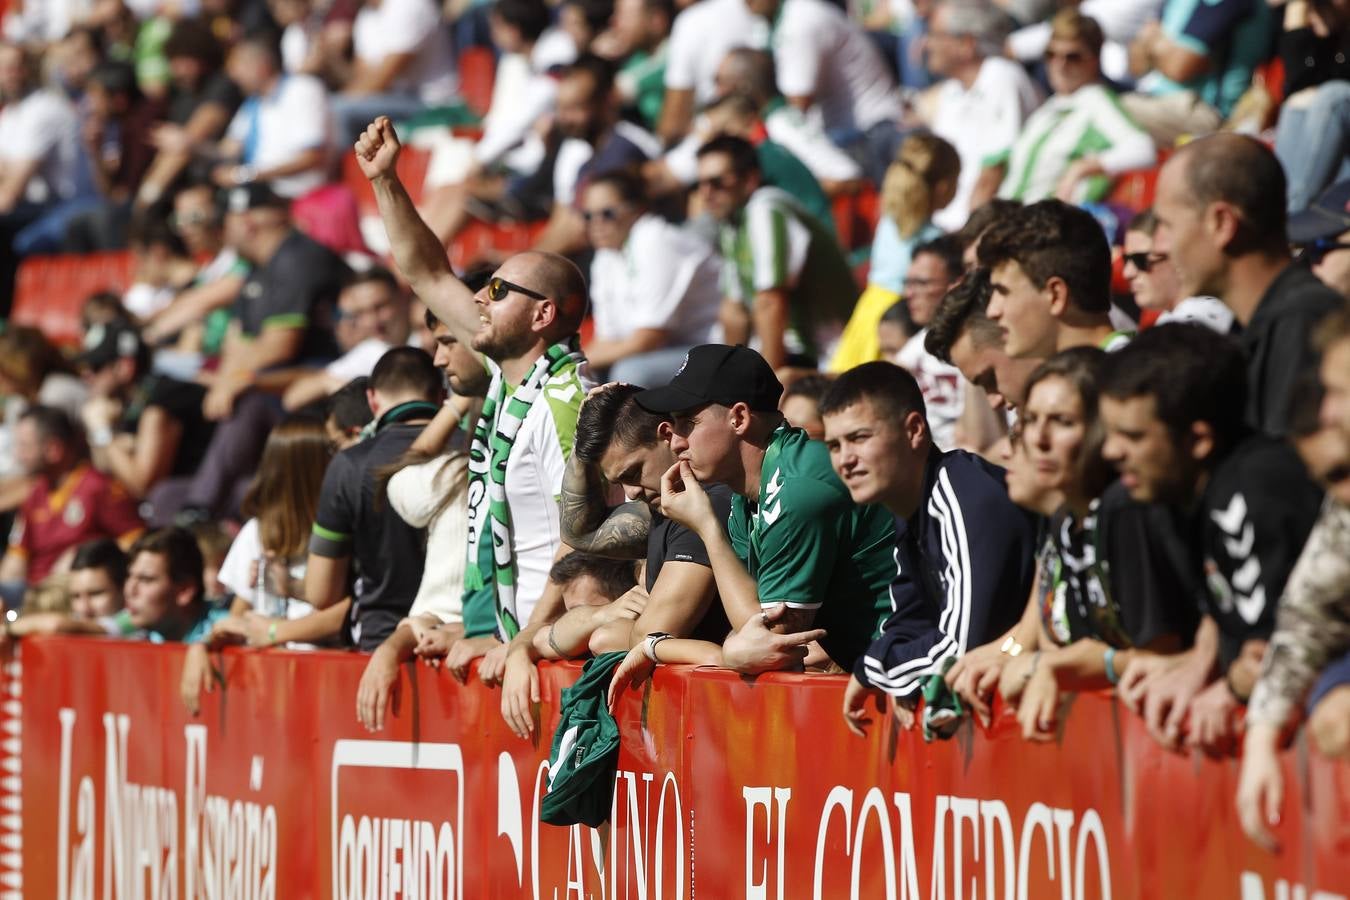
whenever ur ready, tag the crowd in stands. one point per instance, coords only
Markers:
(983, 351)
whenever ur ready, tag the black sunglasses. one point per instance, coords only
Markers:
(1315, 251)
(1145, 261)
(608, 214)
(498, 288)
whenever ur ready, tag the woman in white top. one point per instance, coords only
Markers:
(655, 288)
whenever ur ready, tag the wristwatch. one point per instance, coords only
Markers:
(649, 645)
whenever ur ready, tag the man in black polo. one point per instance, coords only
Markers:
(282, 316)
(405, 391)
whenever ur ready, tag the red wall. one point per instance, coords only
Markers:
(738, 788)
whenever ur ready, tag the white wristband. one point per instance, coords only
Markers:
(649, 645)
(100, 437)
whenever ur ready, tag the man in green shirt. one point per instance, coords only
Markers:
(785, 279)
(794, 536)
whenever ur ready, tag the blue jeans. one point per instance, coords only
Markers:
(351, 115)
(1313, 143)
(1333, 676)
(654, 369)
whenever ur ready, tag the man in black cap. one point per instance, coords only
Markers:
(1322, 235)
(794, 536)
(144, 428)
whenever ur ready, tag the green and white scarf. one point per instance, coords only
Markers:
(492, 561)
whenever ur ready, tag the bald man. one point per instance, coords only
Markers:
(524, 323)
(1221, 218)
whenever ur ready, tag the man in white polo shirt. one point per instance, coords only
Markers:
(280, 134)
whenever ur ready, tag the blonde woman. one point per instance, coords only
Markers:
(921, 181)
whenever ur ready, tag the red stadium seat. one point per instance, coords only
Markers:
(477, 71)
(478, 239)
(412, 170)
(855, 217)
(1134, 190)
(50, 291)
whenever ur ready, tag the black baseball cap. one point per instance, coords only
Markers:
(717, 373)
(1328, 216)
(107, 342)
(256, 195)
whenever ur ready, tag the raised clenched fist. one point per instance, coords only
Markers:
(377, 149)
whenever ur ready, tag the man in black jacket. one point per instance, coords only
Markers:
(963, 551)
(1173, 405)
(1221, 215)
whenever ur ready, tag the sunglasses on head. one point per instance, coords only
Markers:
(1073, 57)
(498, 288)
(1315, 251)
(1145, 261)
(608, 214)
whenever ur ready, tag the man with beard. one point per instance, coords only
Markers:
(595, 141)
(524, 321)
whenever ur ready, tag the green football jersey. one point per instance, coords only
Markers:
(807, 544)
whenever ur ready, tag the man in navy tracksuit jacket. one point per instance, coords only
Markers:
(964, 551)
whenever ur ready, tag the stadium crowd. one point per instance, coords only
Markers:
(1051, 441)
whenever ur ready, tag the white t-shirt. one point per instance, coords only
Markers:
(819, 53)
(43, 126)
(980, 123)
(533, 479)
(1208, 311)
(409, 26)
(234, 571)
(358, 361)
(664, 277)
(701, 37)
(275, 129)
(415, 492)
(944, 391)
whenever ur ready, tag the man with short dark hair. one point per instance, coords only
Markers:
(1173, 405)
(165, 596)
(964, 552)
(794, 537)
(936, 266)
(621, 444)
(1221, 217)
(404, 392)
(962, 334)
(1050, 267)
(786, 279)
(71, 502)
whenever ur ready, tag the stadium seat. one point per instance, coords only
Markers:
(50, 291)
(1135, 189)
(477, 71)
(482, 238)
(855, 217)
(412, 170)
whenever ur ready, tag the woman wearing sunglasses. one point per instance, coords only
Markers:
(1071, 146)
(1156, 286)
(654, 286)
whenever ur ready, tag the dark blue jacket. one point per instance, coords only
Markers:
(965, 561)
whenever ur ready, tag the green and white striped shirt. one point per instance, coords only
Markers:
(1089, 123)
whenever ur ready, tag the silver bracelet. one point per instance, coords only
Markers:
(649, 645)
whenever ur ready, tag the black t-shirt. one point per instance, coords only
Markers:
(1277, 346)
(217, 88)
(1126, 574)
(297, 287)
(353, 522)
(1253, 521)
(668, 540)
(182, 402)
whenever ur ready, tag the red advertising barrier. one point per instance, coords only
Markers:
(727, 788)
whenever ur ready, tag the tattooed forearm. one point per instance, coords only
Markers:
(591, 526)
